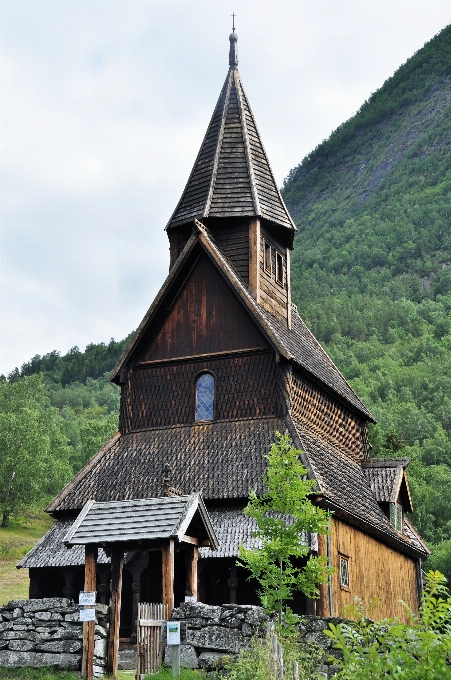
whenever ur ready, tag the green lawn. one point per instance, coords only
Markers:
(15, 541)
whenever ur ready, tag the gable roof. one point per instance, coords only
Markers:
(296, 344)
(387, 478)
(144, 519)
(231, 176)
(345, 490)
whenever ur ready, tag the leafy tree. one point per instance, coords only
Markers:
(34, 452)
(284, 514)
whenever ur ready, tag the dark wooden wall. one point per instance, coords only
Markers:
(233, 240)
(162, 395)
(204, 318)
(328, 418)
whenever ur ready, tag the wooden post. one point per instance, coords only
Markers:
(87, 668)
(254, 258)
(322, 603)
(175, 660)
(191, 557)
(167, 553)
(117, 564)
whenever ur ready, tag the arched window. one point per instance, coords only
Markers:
(205, 396)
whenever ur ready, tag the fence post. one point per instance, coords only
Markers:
(273, 662)
(295, 670)
(280, 661)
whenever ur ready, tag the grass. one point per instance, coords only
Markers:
(36, 674)
(15, 541)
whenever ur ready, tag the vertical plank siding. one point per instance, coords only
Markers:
(205, 318)
(273, 296)
(375, 571)
(246, 387)
(233, 241)
(151, 618)
(328, 418)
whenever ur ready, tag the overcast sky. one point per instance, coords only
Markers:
(104, 106)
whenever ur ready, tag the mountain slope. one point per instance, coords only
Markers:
(371, 269)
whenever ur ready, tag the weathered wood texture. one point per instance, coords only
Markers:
(205, 318)
(89, 626)
(167, 554)
(151, 618)
(273, 295)
(117, 564)
(254, 259)
(375, 571)
(245, 387)
(191, 558)
(233, 240)
(328, 418)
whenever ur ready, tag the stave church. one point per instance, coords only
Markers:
(220, 362)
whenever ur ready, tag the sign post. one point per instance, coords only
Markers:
(173, 639)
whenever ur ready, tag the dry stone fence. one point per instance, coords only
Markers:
(211, 635)
(47, 632)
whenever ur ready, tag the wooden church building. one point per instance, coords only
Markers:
(220, 362)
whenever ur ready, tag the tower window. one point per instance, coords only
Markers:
(279, 268)
(344, 572)
(205, 397)
(267, 256)
(396, 516)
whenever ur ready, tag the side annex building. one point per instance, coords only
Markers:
(220, 362)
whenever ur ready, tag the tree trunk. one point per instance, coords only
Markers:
(5, 520)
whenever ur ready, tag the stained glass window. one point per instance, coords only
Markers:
(205, 395)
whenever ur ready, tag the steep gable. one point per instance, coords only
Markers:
(205, 318)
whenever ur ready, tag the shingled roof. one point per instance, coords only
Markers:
(225, 460)
(231, 176)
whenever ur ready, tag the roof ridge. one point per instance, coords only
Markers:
(240, 94)
(218, 145)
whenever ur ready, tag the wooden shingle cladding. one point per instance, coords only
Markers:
(328, 418)
(246, 386)
(231, 176)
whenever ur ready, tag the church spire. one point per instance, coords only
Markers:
(231, 176)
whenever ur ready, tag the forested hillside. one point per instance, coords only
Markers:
(371, 270)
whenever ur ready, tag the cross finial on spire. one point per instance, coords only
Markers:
(233, 22)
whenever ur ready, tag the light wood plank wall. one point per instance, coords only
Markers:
(376, 570)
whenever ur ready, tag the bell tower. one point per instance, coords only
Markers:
(232, 191)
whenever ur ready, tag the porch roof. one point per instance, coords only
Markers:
(143, 520)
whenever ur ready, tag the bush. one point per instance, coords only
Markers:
(390, 649)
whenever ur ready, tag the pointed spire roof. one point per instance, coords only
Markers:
(231, 176)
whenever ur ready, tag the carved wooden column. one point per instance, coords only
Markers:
(87, 669)
(117, 565)
(103, 585)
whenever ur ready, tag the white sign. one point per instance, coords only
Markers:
(87, 597)
(173, 628)
(87, 614)
(191, 598)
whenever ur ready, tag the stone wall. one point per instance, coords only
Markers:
(211, 635)
(48, 632)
